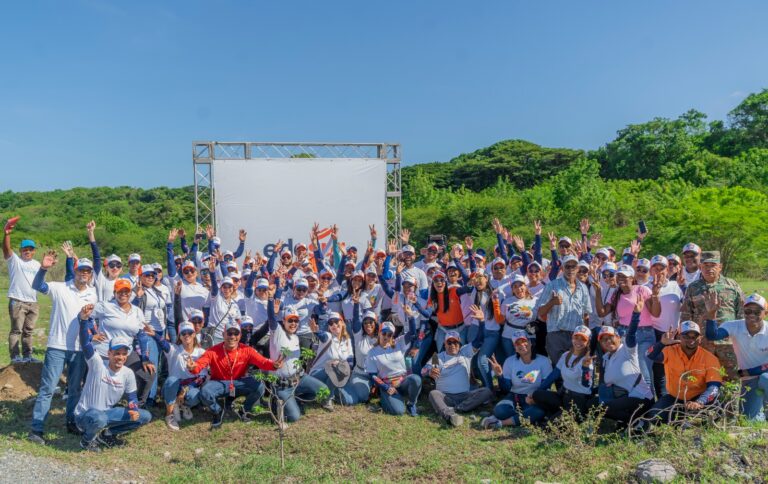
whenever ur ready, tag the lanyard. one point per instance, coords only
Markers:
(232, 367)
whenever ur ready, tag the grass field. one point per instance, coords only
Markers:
(362, 444)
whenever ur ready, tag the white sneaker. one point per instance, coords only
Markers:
(186, 412)
(456, 420)
(177, 413)
(328, 405)
(490, 423)
(171, 423)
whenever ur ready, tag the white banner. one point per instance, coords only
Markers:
(282, 198)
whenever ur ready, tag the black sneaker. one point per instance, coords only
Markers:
(109, 440)
(36, 437)
(244, 416)
(92, 446)
(73, 429)
(217, 420)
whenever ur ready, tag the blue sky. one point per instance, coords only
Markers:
(113, 93)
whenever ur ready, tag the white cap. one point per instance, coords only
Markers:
(119, 342)
(498, 261)
(583, 263)
(85, 264)
(359, 274)
(568, 258)
(246, 320)
(582, 330)
(387, 326)
(518, 278)
(232, 324)
(216, 241)
(408, 248)
(334, 315)
(409, 280)
(301, 283)
(156, 266)
(227, 280)
(114, 258)
(290, 313)
(147, 268)
(134, 258)
(309, 276)
(369, 314)
(644, 263)
(235, 275)
(535, 263)
(196, 313)
(626, 270)
(186, 326)
(659, 259)
(755, 299)
(565, 239)
(187, 263)
(228, 252)
(691, 247)
(371, 270)
(606, 330)
(608, 266)
(687, 326)
(604, 252)
(231, 265)
(262, 283)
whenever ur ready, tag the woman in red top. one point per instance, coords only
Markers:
(446, 308)
(228, 362)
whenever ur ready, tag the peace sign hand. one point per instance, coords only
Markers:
(495, 366)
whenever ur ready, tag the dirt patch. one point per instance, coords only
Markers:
(20, 381)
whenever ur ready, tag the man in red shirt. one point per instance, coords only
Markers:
(228, 366)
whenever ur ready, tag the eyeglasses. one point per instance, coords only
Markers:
(292, 320)
(187, 333)
(752, 312)
(233, 332)
(327, 278)
(642, 270)
(196, 321)
(188, 271)
(149, 274)
(205, 272)
(452, 342)
(583, 271)
(608, 275)
(114, 265)
(301, 289)
(334, 322)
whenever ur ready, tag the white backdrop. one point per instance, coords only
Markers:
(281, 198)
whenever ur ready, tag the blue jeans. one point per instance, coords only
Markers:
(409, 388)
(507, 408)
(53, 367)
(755, 395)
(117, 420)
(646, 338)
(248, 386)
(472, 331)
(490, 346)
(154, 357)
(359, 386)
(344, 395)
(170, 331)
(418, 363)
(306, 391)
(171, 389)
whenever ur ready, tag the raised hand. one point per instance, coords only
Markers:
(537, 227)
(182, 233)
(519, 243)
(372, 230)
(139, 290)
(313, 326)
(552, 240)
(711, 303)
(172, 234)
(639, 305)
(209, 232)
(584, 226)
(658, 283)
(556, 299)
(497, 227)
(392, 247)
(477, 312)
(586, 362)
(634, 247)
(49, 259)
(334, 232)
(66, 247)
(668, 337)
(594, 241)
(278, 246)
(242, 235)
(405, 235)
(91, 227)
(469, 242)
(86, 312)
(495, 366)
(10, 224)
(177, 288)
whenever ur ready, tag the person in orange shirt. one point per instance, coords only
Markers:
(692, 373)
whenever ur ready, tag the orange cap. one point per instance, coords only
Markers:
(122, 284)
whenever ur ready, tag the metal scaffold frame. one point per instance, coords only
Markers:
(204, 153)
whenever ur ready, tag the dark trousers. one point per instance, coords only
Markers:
(447, 404)
(553, 403)
(622, 409)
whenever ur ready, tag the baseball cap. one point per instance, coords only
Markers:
(604, 252)
(611, 249)
(216, 241)
(333, 315)
(518, 335)
(387, 327)
(755, 299)
(235, 275)
(568, 258)
(688, 326)
(691, 247)
(371, 270)
(134, 258)
(626, 270)
(480, 253)
(369, 315)
(157, 267)
(227, 280)
(188, 264)
(119, 342)
(298, 246)
(262, 283)
(430, 266)
(301, 283)
(114, 258)
(28, 243)
(433, 245)
(231, 324)
(534, 263)
(711, 256)
(86, 264)
(408, 248)
(674, 257)
(121, 284)
(515, 257)
(438, 275)
(518, 278)
(231, 265)
(246, 321)
(606, 331)
(582, 331)
(409, 280)
(644, 263)
(453, 335)
(291, 313)
(147, 268)
(228, 253)
(498, 261)
(566, 240)
(349, 262)
(380, 252)
(659, 259)
(359, 274)
(309, 276)
(583, 263)
(186, 326)
(195, 313)
(608, 266)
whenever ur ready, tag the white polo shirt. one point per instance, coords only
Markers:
(751, 351)
(103, 387)
(21, 274)
(113, 322)
(66, 303)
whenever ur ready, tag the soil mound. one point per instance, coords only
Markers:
(20, 381)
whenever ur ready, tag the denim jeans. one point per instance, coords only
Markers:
(343, 394)
(507, 408)
(472, 331)
(306, 391)
(409, 388)
(424, 349)
(490, 347)
(646, 338)
(53, 367)
(117, 420)
(755, 395)
(248, 386)
(154, 357)
(359, 386)
(171, 389)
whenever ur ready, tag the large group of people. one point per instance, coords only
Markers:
(586, 328)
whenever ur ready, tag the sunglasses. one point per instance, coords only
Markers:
(608, 275)
(292, 320)
(187, 333)
(452, 342)
(196, 321)
(583, 271)
(752, 312)
(301, 289)
(188, 271)
(261, 289)
(205, 272)
(432, 251)
(149, 274)
(327, 278)
(114, 265)
(673, 263)
(233, 332)
(285, 257)
(334, 322)
(439, 280)
(642, 270)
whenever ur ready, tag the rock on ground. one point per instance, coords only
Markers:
(655, 470)
(16, 467)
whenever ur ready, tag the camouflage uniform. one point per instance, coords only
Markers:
(731, 307)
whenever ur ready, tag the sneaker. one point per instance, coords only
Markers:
(491, 423)
(186, 412)
(217, 420)
(328, 405)
(171, 422)
(244, 416)
(92, 446)
(412, 410)
(177, 413)
(17, 359)
(110, 440)
(30, 359)
(36, 437)
(73, 429)
(456, 420)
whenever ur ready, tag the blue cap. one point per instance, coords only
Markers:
(480, 252)
(28, 243)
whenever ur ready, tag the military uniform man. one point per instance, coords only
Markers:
(732, 307)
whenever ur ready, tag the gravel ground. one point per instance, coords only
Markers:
(16, 467)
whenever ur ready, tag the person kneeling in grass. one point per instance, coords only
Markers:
(107, 381)
(452, 376)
